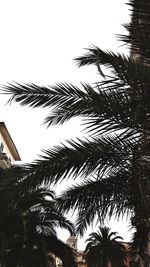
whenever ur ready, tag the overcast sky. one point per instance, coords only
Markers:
(39, 40)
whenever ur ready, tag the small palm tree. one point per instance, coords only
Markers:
(104, 249)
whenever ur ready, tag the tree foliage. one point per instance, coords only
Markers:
(116, 113)
(28, 223)
(104, 248)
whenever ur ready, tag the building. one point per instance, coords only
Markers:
(8, 150)
(72, 241)
(80, 259)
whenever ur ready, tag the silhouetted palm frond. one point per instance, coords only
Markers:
(117, 103)
(82, 157)
(27, 222)
(103, 197)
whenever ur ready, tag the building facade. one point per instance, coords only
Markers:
(8, 150)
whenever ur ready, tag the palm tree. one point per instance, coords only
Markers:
(103, 249)
(116, 112)
(27, 225)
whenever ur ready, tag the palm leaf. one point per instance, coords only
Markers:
(102, 198)
(114, 100)
(79, 158)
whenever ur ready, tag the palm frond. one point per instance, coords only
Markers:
(122, 100)
(98, 198)
(81, 157)
(102, 104)
(116, 62)
(11, 176)
(40, 96)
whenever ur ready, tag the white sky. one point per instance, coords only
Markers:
(39, 39)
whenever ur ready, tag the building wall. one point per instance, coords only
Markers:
(80, 259)
(6, 149)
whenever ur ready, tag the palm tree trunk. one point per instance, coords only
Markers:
(147, 261)
(2, 249)
(144, 192)
(25, 237)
